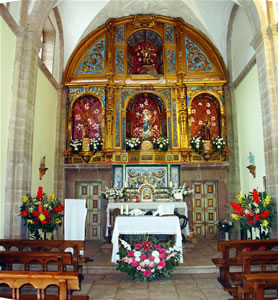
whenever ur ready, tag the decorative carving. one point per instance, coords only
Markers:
(118, 125)
(169, 34)
(99, 92)
(196, 60)
(94, 60)
(120, 34)
(119, 61)
(171, 60)
(73, 92)
(144, 21)
(175, 134)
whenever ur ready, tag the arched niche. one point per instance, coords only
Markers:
(205, 116)
(146, 117)
(145, 53)
(86, 118)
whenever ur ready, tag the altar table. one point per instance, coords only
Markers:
(146, 225)
(146, 206)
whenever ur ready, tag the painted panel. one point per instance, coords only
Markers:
(119, 61)
(169, 33)
(118, 124)
(118, 176)
(171, 60)
(175, 134)
(175, 175)
(120, 34)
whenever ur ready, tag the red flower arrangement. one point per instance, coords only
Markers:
(254, 210)
(41, 213)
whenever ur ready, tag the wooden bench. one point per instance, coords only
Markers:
(49, 245)
(229, 259)
(8, 259)
(65, 281)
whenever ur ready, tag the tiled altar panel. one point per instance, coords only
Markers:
(204, 202)
(90, 191)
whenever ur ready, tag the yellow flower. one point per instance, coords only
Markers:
(25, 199)
(267, 200)
(240, 197)
(51, 196)
(235, 217)
(265, 223)
(30, 221)
(41, 217)
(57, 221)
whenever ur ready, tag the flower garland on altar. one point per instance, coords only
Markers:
(147, 259)
(254, 210)
(41, 213)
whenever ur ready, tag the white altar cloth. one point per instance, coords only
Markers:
(146, 225)
(146, 206)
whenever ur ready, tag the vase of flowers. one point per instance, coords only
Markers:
(76, 146)
(183, 190)
(196, 143)
(114, 193)
(96, 144)
(218, 144)
(133, 143)
(41, 213)
(161, 143)
(147, 259)
(254, 212)
(225, 226)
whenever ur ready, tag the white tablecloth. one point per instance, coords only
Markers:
(146, 225)
(147, 206)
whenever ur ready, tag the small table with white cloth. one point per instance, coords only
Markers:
(146, 225)
(146, 206)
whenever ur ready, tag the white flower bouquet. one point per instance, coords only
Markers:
(196, 143)
(161, 143)
(184, 190)
(76, 146)
(96, 144)
(115, 193)
(133, 143)
(218, 144)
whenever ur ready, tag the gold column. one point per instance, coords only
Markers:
(109, 117)
(182, 118)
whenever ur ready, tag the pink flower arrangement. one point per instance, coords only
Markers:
(146, 260)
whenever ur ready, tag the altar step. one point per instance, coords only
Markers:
(104, 270)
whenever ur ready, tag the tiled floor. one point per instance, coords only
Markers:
(195, 279)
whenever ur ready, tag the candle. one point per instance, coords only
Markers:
(171, 184)
(126, 210)
(122, 209)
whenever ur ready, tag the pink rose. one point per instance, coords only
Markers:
(162, 264)
(147, 273)
(151, 258)
(151, 264)
(134, 264)
(138, 246)
(144, 256)
(162, 251)
(138, 268)
(157, 247)
(161, 256)
(130, 253)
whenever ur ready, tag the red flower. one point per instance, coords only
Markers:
(262, 248)
(59, 208)
(146, 245)
(256, 197)
(251, 221)
(47, 220)
(36, 220)
(237, 208)
(39, 193)
(35, 213)
(24, 213)
(257, 217)
(265, 214)
(247, 249)
(45, 212)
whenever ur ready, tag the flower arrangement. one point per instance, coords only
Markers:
(224, 225)
(115, 193)
(96, 144)
(76, 146)
(184, 190)
(196, 143)
(133, 143)
(254, 210)
(41, 213)
(145, 260)
(218, 144)
(161, 143)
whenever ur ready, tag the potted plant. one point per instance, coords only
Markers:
(133, 143)
(76, 146)
(161, 143)
(225, 226)
(218, 144)
(196, 143)
(96, 144)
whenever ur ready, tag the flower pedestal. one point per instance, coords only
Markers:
(227, 236)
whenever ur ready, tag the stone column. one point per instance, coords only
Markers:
(20, 144)
(263, 44)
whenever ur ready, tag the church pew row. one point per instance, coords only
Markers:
(49, 245)
(65, 281)
(262, 262)
(230, 250)
(10, 260)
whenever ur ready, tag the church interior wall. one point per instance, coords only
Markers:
(7, 67)
(241, 35)
(250, 133)
(14, 10)
(44, 133)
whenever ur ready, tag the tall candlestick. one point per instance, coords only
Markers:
(122, 209)
(126, 210)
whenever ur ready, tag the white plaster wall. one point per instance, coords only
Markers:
(7, 55)
(250, 131)
(241, 37)
(14, 10)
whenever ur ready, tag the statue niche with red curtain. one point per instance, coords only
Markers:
(86, 116)
(146, 124)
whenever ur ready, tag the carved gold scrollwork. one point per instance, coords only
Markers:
(144, 21)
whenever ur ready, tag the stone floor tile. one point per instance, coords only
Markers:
(209, 283)
(185, 284)
(192, 295)
(132, 294)
(163, 294)
(162, 285)
(101, 293)
(216, 294)
(133, 284)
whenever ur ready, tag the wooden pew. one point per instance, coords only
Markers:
(49, 245)
(66, 282)
(228, 259)
(27, 258)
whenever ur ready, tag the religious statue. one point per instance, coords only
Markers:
(147, 119)
(204, 131)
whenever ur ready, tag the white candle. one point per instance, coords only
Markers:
(122, 209)
(171, 184)
(126, 210)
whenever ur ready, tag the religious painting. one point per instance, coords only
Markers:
(118, 176)
(86, 118)
(146, 192)
(153, 175)
(175, 175)
(205, 117)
